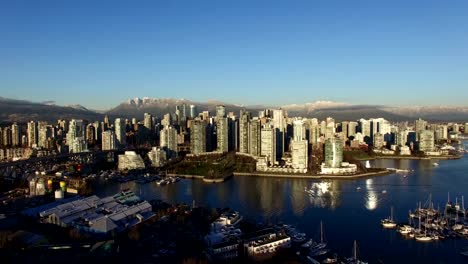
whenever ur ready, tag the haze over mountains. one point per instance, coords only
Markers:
(12, 110)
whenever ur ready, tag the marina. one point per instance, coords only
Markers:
(350, 210)
(427, 224)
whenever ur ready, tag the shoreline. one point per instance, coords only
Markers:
(308, 176)
(413, 158)
(291, 176)
(200, 177)
(419, 158)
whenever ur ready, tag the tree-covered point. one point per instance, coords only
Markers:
(214, 165)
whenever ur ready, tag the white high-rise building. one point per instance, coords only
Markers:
(45, 132)
(244, 124)
(402, 138)
(120, 132)
(168, 141)
(426, 141)
(441, 132)
(32, 134)
(109, 141)
(148, 121)
(198, 137)
(279, 124)
(299, 130)
(193, 111)
(75, 129)
(330, 130)
(15, 135)
(378, 140)
(365, 128)
(333, 152)
(380, 125)
(78, 145)
(299, 155)
(314, 131)
(255, 141)
(352, 128)
(268, 143)
(220, 111)
(76, 136)
(222, 135)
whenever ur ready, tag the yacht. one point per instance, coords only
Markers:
(405, 229)
(319, 252)
(330, 260)
(308, 244)
(423, 237)
(389, 222)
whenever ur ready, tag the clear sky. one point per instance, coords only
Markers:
(99, 53)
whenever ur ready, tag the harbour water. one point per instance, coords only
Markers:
(350, 210)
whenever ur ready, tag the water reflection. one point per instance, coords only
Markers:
(371, 199)
(297, 196)
(324, 194)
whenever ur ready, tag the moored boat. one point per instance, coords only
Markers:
(389, 222)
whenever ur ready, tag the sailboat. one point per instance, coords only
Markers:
(354, 259)
(389, 222)
(422, 237)
(407, 229)
(320, 248)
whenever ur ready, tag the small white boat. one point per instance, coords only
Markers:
(405, 229)
(423, 238)
(358, 188)
(389, 222)
(384, 191)
(435, 164)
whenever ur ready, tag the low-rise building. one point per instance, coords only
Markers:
(345, 168)
(267, 243)
(157, 156)
(130, 161)
(224, 241)
(100, 215)
(404, 150)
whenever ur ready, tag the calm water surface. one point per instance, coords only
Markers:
(349, 213)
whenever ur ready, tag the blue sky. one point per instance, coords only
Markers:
(100, 53)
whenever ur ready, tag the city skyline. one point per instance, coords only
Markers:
(101, 54)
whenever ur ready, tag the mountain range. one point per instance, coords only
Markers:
(12, 110)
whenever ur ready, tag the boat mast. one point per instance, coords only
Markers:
(391, 213)
(321, 232)
(355, 251)
(430, 201)
(463, 207)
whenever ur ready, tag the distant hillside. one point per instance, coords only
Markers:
(160, 106)
(23, 111)
(321, 109)
(346, 113)
(432, 113)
